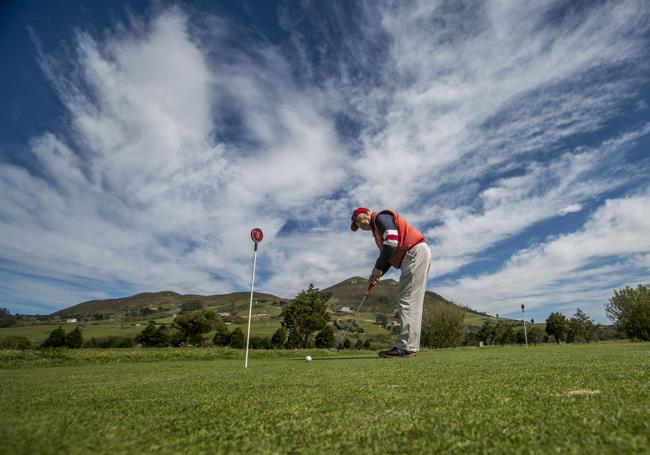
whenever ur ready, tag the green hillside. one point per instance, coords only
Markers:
(127, 316)
(162, 302)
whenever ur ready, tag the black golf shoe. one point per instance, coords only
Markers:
(396, 353)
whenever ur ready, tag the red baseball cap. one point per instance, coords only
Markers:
(354, 226)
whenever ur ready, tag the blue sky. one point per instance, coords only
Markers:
(141, 141)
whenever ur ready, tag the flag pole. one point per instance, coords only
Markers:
(257, 236)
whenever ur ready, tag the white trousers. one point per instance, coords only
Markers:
(410, 300)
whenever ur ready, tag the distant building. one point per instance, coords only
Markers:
(71, 321)
(261, 316)
(343, 309)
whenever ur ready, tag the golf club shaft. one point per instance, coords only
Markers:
(352, 321)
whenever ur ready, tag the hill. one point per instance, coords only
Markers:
(161, 303)
(348, 293)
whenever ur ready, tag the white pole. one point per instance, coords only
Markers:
(250, 306)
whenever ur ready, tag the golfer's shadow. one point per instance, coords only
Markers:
(320, 359)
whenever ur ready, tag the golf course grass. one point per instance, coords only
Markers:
(591, 398)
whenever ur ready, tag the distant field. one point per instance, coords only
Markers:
(547, 399)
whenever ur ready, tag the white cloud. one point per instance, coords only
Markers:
(179, 143)
(140, 191)
(482, 88)
(573, 208)
(568, 268)
(513, 204)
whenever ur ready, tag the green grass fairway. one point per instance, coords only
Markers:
(547, 399)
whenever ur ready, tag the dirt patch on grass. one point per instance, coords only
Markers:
(578, 393)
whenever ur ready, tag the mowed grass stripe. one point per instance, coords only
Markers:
(472, 400)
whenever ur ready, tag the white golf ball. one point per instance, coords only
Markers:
(308, 358)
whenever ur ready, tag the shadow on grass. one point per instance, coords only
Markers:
(319, 359)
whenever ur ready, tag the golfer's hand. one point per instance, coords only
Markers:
(374, 276)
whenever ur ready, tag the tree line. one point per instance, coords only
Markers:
(306, 323)
(629, 309)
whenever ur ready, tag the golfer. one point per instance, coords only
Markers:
(403, 247)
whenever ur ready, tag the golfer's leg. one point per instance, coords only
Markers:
(410, 301)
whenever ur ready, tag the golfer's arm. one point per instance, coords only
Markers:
(382, 261)
(388, 230)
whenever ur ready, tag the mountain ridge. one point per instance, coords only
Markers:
(344, 294)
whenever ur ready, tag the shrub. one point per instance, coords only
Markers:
(74, 339)
(221, 337)
(279, 338)
(237, 339)
(153, 336)
(6, 319)
(443, 327)
(126, 342)
(325, 338)
(56, 339)
(255, 343)
(266, 343)
(191, 305)
(15, 342)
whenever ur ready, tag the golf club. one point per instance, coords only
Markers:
(338, 348)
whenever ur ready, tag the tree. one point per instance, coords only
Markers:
(191, 305)
(358, 345)
(581, 328)
(558, 326)
(6, 319)
(153, 336)
(194, 324)
(366, 344)
(237, 339)
(56, 339)
(325, 338)
(380, 319)
(630, 310)
(305, 315)
(279, 338)
(74, 339)
(347, 344)
(443, 327)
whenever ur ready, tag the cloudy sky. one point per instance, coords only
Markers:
(140, 142)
